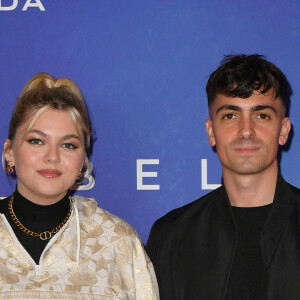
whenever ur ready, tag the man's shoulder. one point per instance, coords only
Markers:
(288, 190)
(176, 223)
(294, 189)
(291, 194)
(188, 211)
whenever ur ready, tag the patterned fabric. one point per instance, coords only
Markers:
(95, 256)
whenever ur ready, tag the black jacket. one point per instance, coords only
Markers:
(193, 247)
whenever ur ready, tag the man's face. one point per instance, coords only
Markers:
(246, 132)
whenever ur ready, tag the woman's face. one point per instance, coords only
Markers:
(49, 159)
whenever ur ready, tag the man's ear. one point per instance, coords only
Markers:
(8, 152)
(285, 130)
(210, 133)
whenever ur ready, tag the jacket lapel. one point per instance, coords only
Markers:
(277, 220)
(227, 238)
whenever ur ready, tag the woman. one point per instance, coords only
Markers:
(54, 245)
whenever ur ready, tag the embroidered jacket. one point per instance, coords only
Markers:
(96, 255)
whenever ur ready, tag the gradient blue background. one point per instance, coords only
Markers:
(142, 67)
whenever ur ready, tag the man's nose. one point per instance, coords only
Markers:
(247, 129)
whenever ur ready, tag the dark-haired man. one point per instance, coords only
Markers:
(242, 240)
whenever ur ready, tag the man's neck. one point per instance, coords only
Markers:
(251, 190)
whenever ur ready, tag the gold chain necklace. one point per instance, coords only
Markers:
(45, 235)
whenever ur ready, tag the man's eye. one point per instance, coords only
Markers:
(69, 146)
(263, 116)
(229, 116)
(35, 141)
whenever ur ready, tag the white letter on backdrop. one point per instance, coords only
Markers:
(205, 185)
(12, 7)
(140, 174)
(36, 3)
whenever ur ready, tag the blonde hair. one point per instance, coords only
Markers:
(44, 92)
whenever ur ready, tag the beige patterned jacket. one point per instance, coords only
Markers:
(95, 256)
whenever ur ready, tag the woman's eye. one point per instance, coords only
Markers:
(69, 146)
(35, 141)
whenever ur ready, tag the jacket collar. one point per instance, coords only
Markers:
(277, 220)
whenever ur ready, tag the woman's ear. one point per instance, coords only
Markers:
(8, 152)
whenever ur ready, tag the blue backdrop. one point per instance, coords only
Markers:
(142, 66)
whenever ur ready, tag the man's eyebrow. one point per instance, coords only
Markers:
(254, 108)
(263, 107)
(228, 107)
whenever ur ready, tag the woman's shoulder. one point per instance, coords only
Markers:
(91, 213)
(3, 204)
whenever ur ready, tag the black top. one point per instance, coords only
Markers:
(37, 218)
(248, 273)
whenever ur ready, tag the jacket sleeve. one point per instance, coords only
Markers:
(146, 287)
(151, 245)
(134, 269)
(159, 249)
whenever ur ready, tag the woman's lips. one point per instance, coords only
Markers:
(49, 173)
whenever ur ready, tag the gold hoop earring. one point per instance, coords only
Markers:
(9, 168)
(79, 175)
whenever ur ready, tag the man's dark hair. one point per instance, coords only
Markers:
(241, 75)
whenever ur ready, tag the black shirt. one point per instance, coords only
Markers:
(247, 277)
(37, 218)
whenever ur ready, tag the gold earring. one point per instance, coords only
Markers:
(79, 175)
(9, 167)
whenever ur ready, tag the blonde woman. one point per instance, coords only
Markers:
(54, 245)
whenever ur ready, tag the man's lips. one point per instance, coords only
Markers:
(49, 173)
(246, 150)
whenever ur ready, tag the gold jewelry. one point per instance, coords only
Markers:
(9, 168)
(79, 175)
(45, 235)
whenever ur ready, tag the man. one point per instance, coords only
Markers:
(242, 240)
